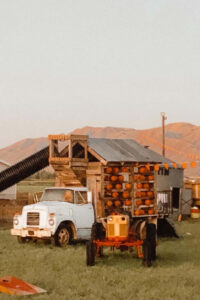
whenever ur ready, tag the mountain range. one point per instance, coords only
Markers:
(182, 142)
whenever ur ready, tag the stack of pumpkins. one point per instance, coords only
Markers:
(117, 189)
(144, 191)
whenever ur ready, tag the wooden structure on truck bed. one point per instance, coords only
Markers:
(120, 173)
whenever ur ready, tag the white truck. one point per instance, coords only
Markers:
(62, 215)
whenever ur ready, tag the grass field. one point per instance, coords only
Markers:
(63, 273)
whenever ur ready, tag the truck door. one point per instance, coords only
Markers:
(83, 215)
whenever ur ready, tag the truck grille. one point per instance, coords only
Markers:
(33, 218)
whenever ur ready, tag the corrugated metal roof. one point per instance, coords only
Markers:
(115, 150)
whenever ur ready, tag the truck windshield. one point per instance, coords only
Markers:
(58, 195)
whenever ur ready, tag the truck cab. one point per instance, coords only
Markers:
(62, 215)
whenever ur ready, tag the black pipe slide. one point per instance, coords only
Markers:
(24, 168)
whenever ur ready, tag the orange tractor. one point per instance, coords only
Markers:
(122, 232)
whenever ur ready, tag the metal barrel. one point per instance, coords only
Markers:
(24, 168)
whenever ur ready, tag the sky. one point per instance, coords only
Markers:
(65, 64)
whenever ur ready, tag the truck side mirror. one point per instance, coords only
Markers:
(89, 197)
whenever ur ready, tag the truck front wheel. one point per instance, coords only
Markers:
(22, 240)
(63, 235)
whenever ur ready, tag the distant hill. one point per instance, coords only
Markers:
(182, 141)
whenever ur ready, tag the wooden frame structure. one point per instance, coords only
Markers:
(77, 164)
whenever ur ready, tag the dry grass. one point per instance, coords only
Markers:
(34, 185)
(63, 273)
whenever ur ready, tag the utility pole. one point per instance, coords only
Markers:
(163, 132)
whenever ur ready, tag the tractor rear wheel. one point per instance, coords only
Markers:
(90, 253)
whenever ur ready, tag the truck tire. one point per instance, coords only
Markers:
(22, 240)
(90, 253)
(63, 235)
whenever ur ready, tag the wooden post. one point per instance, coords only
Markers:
(163, 132)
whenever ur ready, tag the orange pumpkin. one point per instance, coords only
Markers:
(115, 195)
(151, 212)
(117, 203)
(127, 202)
(138, 194)
(125, 169)
(146, 186)
(150, 194)
(125, 194)
(109, 186)
(108, 170)
(151, 177)
(139, 186)
(142, 212)
(128, 186)
(109, 203)
(136, 177)
(142, 170)
(120, 178)
(148, 202)
(137, 212)
(142, 178)
(118, 186)
(113, 178)
(139, 202)
(115, 170)
(143, 194)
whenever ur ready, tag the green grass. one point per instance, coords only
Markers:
(121, 276)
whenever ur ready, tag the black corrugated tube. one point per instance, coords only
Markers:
(24, 168)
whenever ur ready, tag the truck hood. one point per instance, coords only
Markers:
(48, 206)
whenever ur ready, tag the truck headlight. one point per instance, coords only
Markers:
(16, 221)
(51, 222)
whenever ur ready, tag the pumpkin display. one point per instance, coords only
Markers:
(125, 194)
(148, 202)
(128, 186)
(127, 202)
(109, 203)
(150, 177)
(115, 170)
(136, 177)
(151, 212)
(142, 170)
(117, 203)
(143, 194)
(150, 194)
(109, 186)
(108, 170)
(141, 212)
(142, 177)
(115, 195)
(138, 194)
(138, 202)
(113, 178)
(125, 170)
(146, 186)
(139, 186)
(137, 212)
(120, 178)
(118, 186)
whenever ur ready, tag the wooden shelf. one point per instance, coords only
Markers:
(143, 216)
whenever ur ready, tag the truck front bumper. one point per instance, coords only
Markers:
(32, 232)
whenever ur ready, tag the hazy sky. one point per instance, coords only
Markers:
(70, 63)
